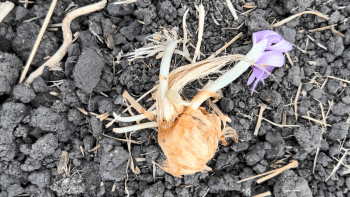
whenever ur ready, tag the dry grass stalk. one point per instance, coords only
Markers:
(249, 5)
(63, 162)
(322, 28)
(138, 107)
(95, 148)
(296, 102)
(268, 193)
(82, 110)
(279, 125)
(293, 164)
(322, 112)
(338, 164)
(102, 116)
(123, 140)
(67, 37)
(318, 121)
(134, 168)
(26, 2)
(256, 176)
(284, 117)
(343, 80)
(315, 160)
(289, 59)
(82, 151)
(200, 32)
(330, 104)
(337, 32)
(54, 93)
(232, 9)
(226, 45)
(258, 124)
(5, 9)
(136, 127)
(297, 15)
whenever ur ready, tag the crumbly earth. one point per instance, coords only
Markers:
(41, 122)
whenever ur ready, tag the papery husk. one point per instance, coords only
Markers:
(190, 141)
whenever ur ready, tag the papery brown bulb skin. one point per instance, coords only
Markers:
(190, 141)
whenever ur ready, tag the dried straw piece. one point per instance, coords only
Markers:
(278, 125)
(226, 45)
(289, 59)
(67, 37)
(296, 102)
(256, 176)
(338, 165)
(5, 9)
(138, 107)
(343, 80)
(95, 148)
(318, 121)
(268, 193)
(200, 32)
(82, 110)
(63, 162)
(82, 151)
(232, 9)
(258, 124)
(299, 14)
(321, 28)
(294, 164)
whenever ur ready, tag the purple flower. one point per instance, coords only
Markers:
(272, 56)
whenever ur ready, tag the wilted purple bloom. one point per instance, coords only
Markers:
(272, 56)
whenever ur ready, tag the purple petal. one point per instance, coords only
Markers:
(282, 46)
(260, 35)
(251, 78)
(254, 85)
(271, 58)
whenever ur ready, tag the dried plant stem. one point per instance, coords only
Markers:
(226, 45)
(262, 108)
(343, 80)
(299, 14)
(338, 164)
(5, 9)
(256, 176)
(200, 32)
(294, 164)
(268, 193)
(279, 125)
(232, 9)
(296, 102)
(136, 127)
(289, 59)
(318, 121)
(67, 37)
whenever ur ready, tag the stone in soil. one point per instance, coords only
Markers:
(25, 38)
(44, 147)
(113, 164)
(10, 66)
(167, 11)
(256, 21)
(308, 137)
(226, 182)
(23, 93)
(339, 131)
(288, 184)
(156, 189)
(88, 70)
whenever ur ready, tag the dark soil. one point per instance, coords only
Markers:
(37, 126)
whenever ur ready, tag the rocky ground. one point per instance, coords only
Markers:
(49, 148)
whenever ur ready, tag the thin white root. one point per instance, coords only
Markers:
(130, 118)
(67, 37)
(232, 9)
(200, 32)
(5, 9)
(136, 127)
(37, 42)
